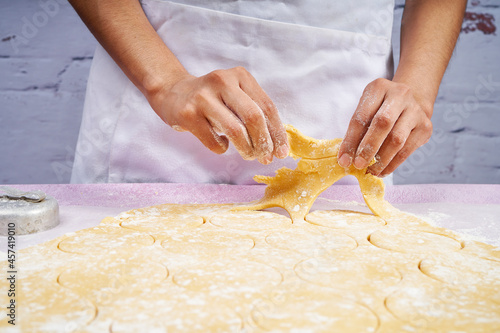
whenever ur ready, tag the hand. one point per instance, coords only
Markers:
(222, 106)
(388, 124)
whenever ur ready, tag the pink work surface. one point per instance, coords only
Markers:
(473, 210)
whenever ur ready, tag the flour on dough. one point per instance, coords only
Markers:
(227, 268)
(318, 168)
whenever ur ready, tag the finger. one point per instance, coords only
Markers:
(276, 129)
(394, 142)
(279, 137)
(369, 103)
(418, 136)
(223, 120)
(381, 125)
(253, 119)
(277, 132)
(209, 137)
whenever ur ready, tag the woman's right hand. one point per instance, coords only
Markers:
(222, 106)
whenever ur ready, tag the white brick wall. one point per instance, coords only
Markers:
(465, 145)
(45, 56)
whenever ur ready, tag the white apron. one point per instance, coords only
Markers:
(313, 58)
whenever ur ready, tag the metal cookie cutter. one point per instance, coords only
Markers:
(27, 212)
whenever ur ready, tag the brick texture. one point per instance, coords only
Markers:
(45, 57)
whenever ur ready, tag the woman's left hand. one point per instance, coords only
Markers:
(388, 124)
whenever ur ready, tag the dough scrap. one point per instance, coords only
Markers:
(296, 190)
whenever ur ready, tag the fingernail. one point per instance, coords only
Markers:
(267, 158)
(345, 160)
(270, 157)
(359, 162)
(282, 151)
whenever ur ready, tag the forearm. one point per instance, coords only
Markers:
(429, 30)
(228, 102)
(123, 29)
(395, 120)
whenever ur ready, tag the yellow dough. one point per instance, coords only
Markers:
(311, 241)
(46, 306)
(229, 268)
(318, 168)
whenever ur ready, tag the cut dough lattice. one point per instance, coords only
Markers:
(296, 190)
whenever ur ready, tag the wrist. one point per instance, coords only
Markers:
(423, 91)
(155, 81)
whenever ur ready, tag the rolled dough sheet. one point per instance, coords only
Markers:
(218, 275)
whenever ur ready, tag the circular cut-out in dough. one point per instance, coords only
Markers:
(185, 318)
(166, 210)
(201, 241)
(45, 306)
(105, 240)
(349, 271)
(158, 224)
(493, 255)
(485, 251)
(228, 277)
(467, 273)
(412, 241)
(429, 307)
(318, 311)
(309, 242)
(169, 308)
(112, 276)
(344, 219)
(251, 220)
